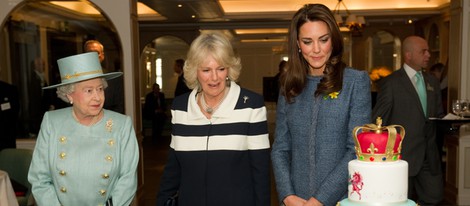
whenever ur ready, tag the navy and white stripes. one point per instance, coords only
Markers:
(239, 124)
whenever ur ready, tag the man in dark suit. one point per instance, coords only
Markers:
(114, 95)
(403, 100)
(9, 109)
(181, 87)
(154, 109)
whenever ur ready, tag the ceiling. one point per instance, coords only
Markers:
(243, 10)
(273, 16)
(245, 19)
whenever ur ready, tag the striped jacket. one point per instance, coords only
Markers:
(219, 161)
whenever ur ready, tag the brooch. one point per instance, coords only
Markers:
(109, 125)
(332, 95)
(245, 98)
(429, 87)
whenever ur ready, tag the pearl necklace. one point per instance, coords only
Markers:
(93, 121)
(206, 107)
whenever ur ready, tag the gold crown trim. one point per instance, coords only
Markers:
(76, 75)
(389, 155)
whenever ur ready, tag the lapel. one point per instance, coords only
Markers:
(409, 87)
(429, 91)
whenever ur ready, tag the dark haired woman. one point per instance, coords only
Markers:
(321, 102)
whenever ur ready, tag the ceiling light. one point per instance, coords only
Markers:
(263, 40)
(262, 31)
(143, 9)
(353, 23)
(81, 7)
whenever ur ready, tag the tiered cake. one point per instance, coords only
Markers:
(378, 176)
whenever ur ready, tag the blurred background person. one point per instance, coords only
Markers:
(439, 71)
(219, 151)
(115, 91)
(84, 154)
(154, 110)
(181, 86)
(377, 74)
(321, 102)
(9, 113)
(40, 100)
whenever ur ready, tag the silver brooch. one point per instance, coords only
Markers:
(245, 98)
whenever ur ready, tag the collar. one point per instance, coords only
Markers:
(225, 109)
(409, 71)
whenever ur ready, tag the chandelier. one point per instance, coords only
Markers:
(354, 24)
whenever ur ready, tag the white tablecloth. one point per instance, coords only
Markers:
(7, 195)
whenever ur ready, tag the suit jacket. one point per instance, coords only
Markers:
(181, 87)
(114, 95)
(398, 103)
(151, 105)
(9, 111)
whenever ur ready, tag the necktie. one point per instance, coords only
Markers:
(421, 89)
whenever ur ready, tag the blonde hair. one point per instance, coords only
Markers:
(213, 44)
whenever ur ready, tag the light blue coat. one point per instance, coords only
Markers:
(313, 139)
(81, 165)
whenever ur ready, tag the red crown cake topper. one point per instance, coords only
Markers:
(377, 143)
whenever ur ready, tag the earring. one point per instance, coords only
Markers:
(71, 102)
(300, 50)
(227, 81)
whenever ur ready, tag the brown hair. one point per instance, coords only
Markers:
(294, 79)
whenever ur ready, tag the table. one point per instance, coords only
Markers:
(445, 127)
(7, 195)
(457, 176)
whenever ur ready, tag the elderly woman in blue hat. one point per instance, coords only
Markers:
(84, 155)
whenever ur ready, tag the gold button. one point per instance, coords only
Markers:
(62, 155)
(62, 189)
(63, 139)
(62, 172)
(102, 192)
(105, 176)
(109, 158)
(111, 142)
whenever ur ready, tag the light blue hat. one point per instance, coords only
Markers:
(81, 67)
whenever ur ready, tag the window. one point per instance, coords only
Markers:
(158, 72)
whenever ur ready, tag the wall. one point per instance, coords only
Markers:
(359, 58)
(258, 61)
(459, 55)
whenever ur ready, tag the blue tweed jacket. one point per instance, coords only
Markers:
(313, 139)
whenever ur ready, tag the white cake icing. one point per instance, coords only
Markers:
(380, 182)
(347, 202)
(384, 182)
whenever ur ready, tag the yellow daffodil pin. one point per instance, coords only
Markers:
(332, 95)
